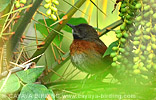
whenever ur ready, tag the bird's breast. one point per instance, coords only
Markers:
(86, 56)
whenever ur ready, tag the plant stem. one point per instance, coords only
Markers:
(12, 43)
(58, 27)
(111, 26)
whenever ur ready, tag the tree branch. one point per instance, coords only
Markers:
(12, 43)
(58, 27)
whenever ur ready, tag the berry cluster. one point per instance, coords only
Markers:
(51, 6)
(135, 54)
(18, 2)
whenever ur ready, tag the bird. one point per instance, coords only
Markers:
(86, 50)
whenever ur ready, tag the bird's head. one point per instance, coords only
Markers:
(84, 32)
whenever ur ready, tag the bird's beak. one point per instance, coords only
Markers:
(72, 26)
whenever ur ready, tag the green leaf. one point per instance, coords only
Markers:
(12, 84)
(30, 75)
(109, 49)
(35, 92)
(4, 97)
(4, 4)
(43, 30)
(74, 21)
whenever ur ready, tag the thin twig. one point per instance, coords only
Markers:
(75, 7)
(33, 59)
(66, 68)
(98, 7)
(17, 10)
(57, 74)
(5, 81)
(74, 75)
(19, 55)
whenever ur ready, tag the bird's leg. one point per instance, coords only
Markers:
(99, 76)
(84, 80)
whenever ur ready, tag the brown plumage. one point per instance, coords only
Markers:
(87, 50)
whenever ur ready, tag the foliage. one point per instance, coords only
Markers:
(35, 92)
(12, 84)
(134, 55)
(133, 65)
(31, 75)
(4, 4)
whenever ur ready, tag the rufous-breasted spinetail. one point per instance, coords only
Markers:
(87, 49)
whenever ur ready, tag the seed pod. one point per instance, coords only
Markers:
(123, 10)
(154, 5)
(135, 66)
(146, 53)
(47, 1)
(55, 2)
(148, 48)
(115, 59)
(114, 64)
(135, 59)
(147, 7)
(117, 31)
(149, 66)
(147, 37)
(123, 26)
(48, 12)
(129, 21)
(136, 38)
(137, 51)
(151, 12)
(125, 35)
(119, 56)
(153, 39)
(139, 18)
(113, 54)
(148, 30)
(143, 23)
(154, 66)
(144, 69)
(54, 9)
(143, 47)
(119, 35)
(151, 56)
(148, 24)
(142, 57)
(121, 14)
(53, 17)
(136, 42)
(146, 14)
(23, 1)
(131, 29)
(122, 50)
(47, 5)
(145, 1)
(136, 71)
(153, 46)
(131, 6)
(17, 4)
(138, 6)
(128, 16)
(123, 40)
(123, 5)
(138, 32)
(115, 48)
(154, 15)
